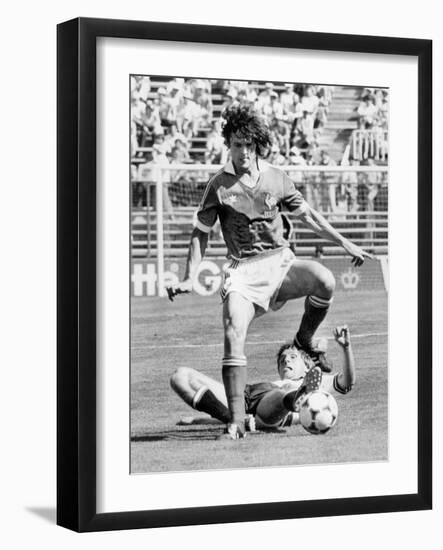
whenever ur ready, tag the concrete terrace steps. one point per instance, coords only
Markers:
(335, 135)
(342, 120)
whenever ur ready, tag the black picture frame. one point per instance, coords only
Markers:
(76, 278)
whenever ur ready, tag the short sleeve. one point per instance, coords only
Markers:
(208, 209)
(327, 382)
(292, 198)
(330, 383)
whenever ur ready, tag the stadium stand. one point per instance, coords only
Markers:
(175, 126)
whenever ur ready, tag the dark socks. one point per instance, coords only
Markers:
(234, 380)
(315, 311)
(209, 404)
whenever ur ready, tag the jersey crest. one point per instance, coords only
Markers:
(270, 201)
(271, 205)
(230, 199)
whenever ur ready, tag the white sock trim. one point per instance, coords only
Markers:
(198, 396)
(320, 302)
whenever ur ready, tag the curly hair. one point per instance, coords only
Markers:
(309, 363)
(242, 119)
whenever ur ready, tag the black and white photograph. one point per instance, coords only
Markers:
(259, 273)
(221, 262)
(245, 324)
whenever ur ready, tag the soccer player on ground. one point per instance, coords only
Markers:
(247, 196)
(273, 404)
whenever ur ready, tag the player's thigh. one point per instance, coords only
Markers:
(306, 277)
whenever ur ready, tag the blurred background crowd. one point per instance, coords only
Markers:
(177, 121)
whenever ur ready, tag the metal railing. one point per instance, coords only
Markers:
(161, 229)
(371, 144)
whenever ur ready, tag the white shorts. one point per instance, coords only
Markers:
(259, 278)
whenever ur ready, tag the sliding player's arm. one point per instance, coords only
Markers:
(345, 380)
(321, 227)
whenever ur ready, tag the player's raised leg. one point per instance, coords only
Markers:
(201, 392)
(238, 313)
(317, 283)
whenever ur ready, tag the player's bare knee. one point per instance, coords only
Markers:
(325, 284)
(179, 377)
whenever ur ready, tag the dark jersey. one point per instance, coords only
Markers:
(254, 393)
(250, 216)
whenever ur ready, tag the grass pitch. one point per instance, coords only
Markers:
(188, 332)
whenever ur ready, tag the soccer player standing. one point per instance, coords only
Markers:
(247, 196)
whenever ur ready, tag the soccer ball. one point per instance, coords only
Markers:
(318, 412)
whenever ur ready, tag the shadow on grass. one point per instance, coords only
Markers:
(197, 435)
(177, 435)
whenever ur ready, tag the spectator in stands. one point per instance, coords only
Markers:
(134, 140)
(329, 182)
(273, 110)
(281, 135)
(304, 130)
(204, 100)
(239, 85)
(350, 181)
(141, 85)
(150, 123)
(378, 98)
(230, 99)
(159, 143)
(296, 158)
(309, 101)
(295, 111)
(275, 157)
(297, 176)
(325, 93)
(178, 176)
(216, 152)
(367, 113)
(321, 115)
(183, 147)
(163, 104)
(175, 91)
(242, 97)
(383, 110)
(172, 135)
(289, 99)
(264, 97)
(252, 93)
(138, 108)
(188, 116)
(175, 83)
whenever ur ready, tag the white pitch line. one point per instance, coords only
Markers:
(260, 343)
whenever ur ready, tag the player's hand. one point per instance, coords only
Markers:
(357, 253)
(181, 288)
(342, 336)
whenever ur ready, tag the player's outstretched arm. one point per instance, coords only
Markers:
(196, 252)
(321, 227)
(346, 378)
